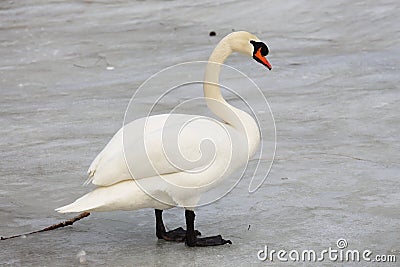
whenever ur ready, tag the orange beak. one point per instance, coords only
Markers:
(260, 58)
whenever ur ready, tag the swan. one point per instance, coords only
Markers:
(137, 169)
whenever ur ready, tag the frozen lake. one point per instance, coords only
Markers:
(69, 68)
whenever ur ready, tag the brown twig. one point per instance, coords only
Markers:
(52, 227)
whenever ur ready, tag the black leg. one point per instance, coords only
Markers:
(193, 241)
(160, 228)
(177, 235)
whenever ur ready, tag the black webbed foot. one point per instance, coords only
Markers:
(193, 241)
(208, 241)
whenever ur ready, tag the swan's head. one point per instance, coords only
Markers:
(249, 44)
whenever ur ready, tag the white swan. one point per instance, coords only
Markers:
(163, 165)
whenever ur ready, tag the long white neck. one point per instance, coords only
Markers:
(237, 118)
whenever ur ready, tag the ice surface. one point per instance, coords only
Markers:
(69, 68)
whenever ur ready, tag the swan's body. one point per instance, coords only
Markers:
(117, 188)
(157, 162)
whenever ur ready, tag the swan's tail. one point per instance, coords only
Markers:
(124, 195)
(85, 203)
